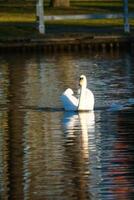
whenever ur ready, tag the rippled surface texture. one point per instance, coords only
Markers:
(49, 154)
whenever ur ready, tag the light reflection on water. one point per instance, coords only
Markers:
(46, 153)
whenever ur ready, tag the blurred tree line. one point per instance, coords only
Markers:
(52, 3)
(60, 3)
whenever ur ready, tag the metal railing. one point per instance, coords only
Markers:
(41, 17)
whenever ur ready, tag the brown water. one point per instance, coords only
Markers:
(49, 154)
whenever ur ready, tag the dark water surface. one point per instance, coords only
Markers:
(49, 154)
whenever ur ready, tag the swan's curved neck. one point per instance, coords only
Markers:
(82, 97)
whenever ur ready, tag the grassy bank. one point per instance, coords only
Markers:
(76, 6)
(18, 19)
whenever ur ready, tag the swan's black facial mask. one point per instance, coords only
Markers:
(80, 80)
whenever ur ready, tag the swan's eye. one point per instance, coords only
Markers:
(81, 78)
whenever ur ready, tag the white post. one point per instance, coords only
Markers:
(126, 22)
(40, 16)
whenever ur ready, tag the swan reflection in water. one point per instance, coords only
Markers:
(83, 124)
(82, 121)
(78, 128)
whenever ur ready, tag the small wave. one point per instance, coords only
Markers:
(119, 107)
(42, 109)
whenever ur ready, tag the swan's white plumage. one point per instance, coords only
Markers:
(84, 102)
(87, 101)
(69, 101)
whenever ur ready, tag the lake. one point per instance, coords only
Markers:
(49, 154)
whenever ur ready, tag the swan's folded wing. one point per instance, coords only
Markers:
(69, 101)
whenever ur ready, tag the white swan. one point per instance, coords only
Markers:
(85, 102)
